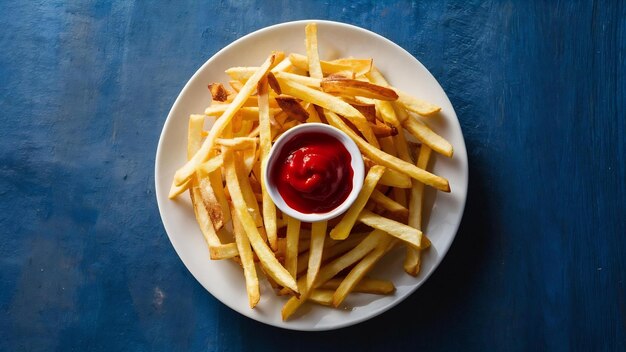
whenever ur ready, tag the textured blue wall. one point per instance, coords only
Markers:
(539, 262)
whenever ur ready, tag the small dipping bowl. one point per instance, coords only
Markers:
(356, 163)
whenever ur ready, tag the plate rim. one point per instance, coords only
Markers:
(442, 251)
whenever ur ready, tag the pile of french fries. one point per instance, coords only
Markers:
(322, 262)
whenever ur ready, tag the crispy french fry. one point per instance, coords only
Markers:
(330, 252)
(427, 136)
(313, 116)
(318, 234)
(247, 262)
(359, 271)
(387, 160)
(354, 87)
(292, 107)
(365, 285)
(291, 252)
(397, 209)
(252, 206)
(312, 54)
(304, 80)
(215, 178)
(343, 228)
(323, 297)
(331, 103)
(194, 141)
(223, 251)
(406, 233)
(238, 143)
(331, 269)
(415, 105)
(265, 138)
(412, 261)
(301, 62)
(218, 92)
(184, 173)
(359, 66)
(266, 257)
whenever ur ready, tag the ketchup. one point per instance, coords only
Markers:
(313, 173)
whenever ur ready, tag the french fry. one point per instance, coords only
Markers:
(331, 269)
(318, 234)
(359, 271)
(265, 139)
(415, 105)
(194, 141)
(266, 257)
(291, 252)
(218, 92)
(330, 252)
(304, 80)
(238, 143)
(395, 208)
(425, 135)
(343, 228)
(252, 207)
(184, 173)
(365, 285)
(331, 103)
(313, 57)
(412, 261)
(354, 87)
(215, 178)
(301, 62)
(247, 262)
(292, 107)
(408, 234)
(323, 297)
(387, 160)
(359, 66)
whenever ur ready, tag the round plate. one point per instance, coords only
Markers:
(224, 279)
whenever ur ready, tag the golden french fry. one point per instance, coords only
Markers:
(265, 139)
(313, 56)
(304, 80)
(330, 251)
(415, 105)
(406, 233)
(355, 87)
(365, 285)
(387, 160)
(425, 135)
(215, 178)
(265, 254)
(292, 107)
(223, 251)
(331, 103)
(291, 252)
(235, 85)
(252, 206)
(343, 228)
(301, 62)
(194, 141)
(238, 143)
(359, 271)
(359, 66)
(331, 269)
(397, 209)
(218, 92)
(323, 297)
(412, 261)
(318, 234)
(185, 172)
(247, 262)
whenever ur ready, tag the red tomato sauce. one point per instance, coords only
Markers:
(313, 173)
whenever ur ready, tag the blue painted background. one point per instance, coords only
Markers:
(540, 259)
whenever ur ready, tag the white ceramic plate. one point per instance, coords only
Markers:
(224, 279)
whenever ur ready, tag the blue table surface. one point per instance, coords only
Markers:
(539, 262)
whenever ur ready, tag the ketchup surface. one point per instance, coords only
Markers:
(313, 173)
